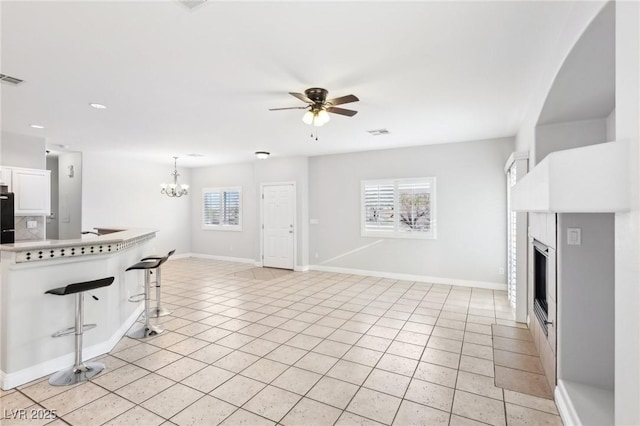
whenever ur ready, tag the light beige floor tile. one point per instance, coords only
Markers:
(136, 416)
(99, 411)
(349, 372)
(208, 378)
(331, 348)
(246, 418)
(279, 336)
(411, 414)
(478, 338)
(514, 345)
(297, 380)
(345, 336)
(447, 333)
(375, 343)
(188, 346)
(479, 408)
(374, 405)
(530, 401)
(350, 419)
(286, 354)
(166, 339)
(135, 352)
(120, 377)
(363, 356)
(144, 388)
(310, 412)
(518, 361)
(477, 365)
(255, 330)
(181, 369)
(213, 334)
(302, 341)
(235, 340)
(73, 398)
(445, 344)
(397, 364)
(333, 392)
(171, 401)
(211, 353)
(426, 393)
(444, 358)
(238, 390)
(110, 362)
(206, 410)
(412, 337)
(264, 370)
(157, 360)
(272, 403)
(40, 391)
(15, 401)
(387, 382)
(236, 361)
(318, 331)
(512, 332)
(317, 363)
(259, 347)
(478, 351)
(406, 350)
(478, 384)
(436, 374)
(463, 421)
(479, 328)
(521, 416)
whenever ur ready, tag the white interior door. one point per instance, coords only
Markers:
(278, 225)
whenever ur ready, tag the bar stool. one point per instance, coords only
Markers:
(145, 330)
(80, 371)
(159, 311)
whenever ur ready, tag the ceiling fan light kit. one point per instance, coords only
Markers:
(319, 106)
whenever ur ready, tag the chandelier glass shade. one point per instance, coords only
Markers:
(316, 117)
(174, 189)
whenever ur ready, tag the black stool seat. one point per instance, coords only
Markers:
(158, 256)
(83, 286)
(149, 264)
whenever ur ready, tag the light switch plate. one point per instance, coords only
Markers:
(31, 224)
(574, 236)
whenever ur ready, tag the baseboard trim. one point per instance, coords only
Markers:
(302, 268)
(223, 258)
(26, 375)
(566, 409)
(410, 277)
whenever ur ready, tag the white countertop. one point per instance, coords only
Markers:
(111, 238)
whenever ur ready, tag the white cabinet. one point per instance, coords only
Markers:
(32, 188)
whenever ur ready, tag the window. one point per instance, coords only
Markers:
(400, 208)
(222, 209)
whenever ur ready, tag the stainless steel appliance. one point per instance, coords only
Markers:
(7, 218)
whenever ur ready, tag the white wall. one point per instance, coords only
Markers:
(22, 151)
(245, 244)
(52, 224)
(627, 225)
(122, 192)
(470, 203)
(559, 136)
(611, 126)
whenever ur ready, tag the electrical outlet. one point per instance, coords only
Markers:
(32, 224)
(574, 236)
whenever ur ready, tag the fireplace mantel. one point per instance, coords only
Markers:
(590, 179)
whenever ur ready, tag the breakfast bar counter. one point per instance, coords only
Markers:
(28, 316)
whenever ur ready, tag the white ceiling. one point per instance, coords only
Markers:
(179, 80)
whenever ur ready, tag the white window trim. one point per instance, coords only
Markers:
(432, 235)
(222, 227)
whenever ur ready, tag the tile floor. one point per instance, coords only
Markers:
(244, 348)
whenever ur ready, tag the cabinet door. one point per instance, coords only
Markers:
(32, 189)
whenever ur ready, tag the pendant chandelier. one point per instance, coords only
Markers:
(174, 189)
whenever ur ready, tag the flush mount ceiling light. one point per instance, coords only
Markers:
(98, 106)
(262, 155)
(36, 126)
(174, 189)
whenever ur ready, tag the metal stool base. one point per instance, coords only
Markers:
(73, 375)
(159, 312)
(141, 331)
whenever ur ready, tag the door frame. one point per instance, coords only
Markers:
(295, 220)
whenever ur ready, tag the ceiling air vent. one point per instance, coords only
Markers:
(10, 80)
(378, 132)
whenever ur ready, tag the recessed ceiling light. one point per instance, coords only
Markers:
(195, 155)
(378, 132)
(36, 126)
(262, 155)
(98, 106)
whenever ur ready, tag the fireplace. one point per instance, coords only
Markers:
(541, 282)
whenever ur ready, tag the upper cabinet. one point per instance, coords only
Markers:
(32, 188)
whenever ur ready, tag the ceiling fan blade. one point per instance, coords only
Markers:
(302, 97)
(342, 111)
(343, 100)
(280, 109)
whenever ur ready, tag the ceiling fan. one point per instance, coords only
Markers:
(319, 106)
